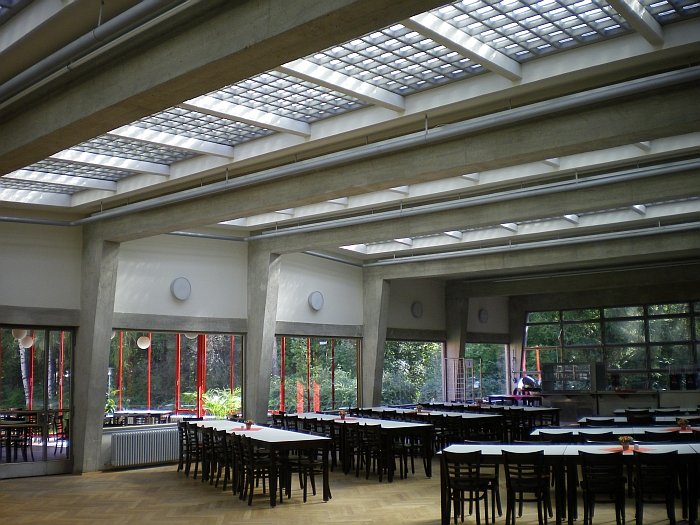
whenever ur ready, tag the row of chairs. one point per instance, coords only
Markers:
(655, 479)
(243, 463)
(635, 419)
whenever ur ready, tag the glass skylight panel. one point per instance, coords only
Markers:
(193, 124)
(287, 96)
(524, 30)
(667, 11)
(79, 170)
(132, 149)
(43, 187)
(397, 59)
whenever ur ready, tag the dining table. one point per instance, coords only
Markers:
(560, 456)
(278, 442)
(391, 429)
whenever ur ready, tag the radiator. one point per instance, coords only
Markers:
(144, 447)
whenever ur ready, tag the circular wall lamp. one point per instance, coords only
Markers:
(191, 335)
(26, 342)
(18, 333)
(181, 288)
(143, 342)
(417, 309)
(316, 300)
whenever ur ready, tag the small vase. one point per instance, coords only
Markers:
(248, 425)
(684, 427)
(625, 446)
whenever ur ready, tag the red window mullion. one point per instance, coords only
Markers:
(61, 363)
(308, 374)
(202, 372)
(282, 356)
(148, 374)
(178, 356)
(231, 371)
(332, 373)
(31, 372)
(121, 366)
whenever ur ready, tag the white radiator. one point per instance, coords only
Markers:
(144, 447)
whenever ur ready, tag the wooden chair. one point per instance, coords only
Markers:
(465, 484)
(527, 479)
(602, 477)
(655, 481)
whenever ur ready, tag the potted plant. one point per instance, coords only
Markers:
(419, 408)
(342, 413)
(248, 424)
(625, 442)
(222, 402)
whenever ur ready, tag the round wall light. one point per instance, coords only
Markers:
(417, 309)
(26, 342)
(18, 333)
(316, 300)
(181, 289)
(143, 342)
(191, 335)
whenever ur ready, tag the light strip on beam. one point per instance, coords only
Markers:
(254, 117)
(336, 81)
(105, 161)
(201, 147)
(63, 180)
(452, 38)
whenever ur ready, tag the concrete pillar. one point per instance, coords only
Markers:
(263, 289)
(91, 360)
(456, 312)
(375, 313)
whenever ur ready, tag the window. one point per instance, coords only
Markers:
(35, 388)
(643, 346)
(313, 373)
(412, 372)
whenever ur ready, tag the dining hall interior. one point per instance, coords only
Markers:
(324, 255)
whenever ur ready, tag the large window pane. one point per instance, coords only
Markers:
(623, 311)
(188, 372)
(669, 329)
(542, 335)
(412, 372)
(490, 364)
(581, 333)
(543, 317)
(586, 314)
(621, 332)
(663, 356)
(664, 309)
(630, 357)
(578, 356)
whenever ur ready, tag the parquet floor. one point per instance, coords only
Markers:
(160, 496)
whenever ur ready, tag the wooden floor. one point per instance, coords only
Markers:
(156, 496)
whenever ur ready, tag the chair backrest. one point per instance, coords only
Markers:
(597, 436)
(602, 472)
(525, 471)
(655, 474)
(559, 437)
(640, 419)
(599, 422)
(291, 422)
(462, 469)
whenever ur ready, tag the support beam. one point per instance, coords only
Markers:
(263, 289)
(456, 315)
(591, 128)
(375, 313)
(99, 276)
(639, 18)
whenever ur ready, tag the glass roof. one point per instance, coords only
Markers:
(381, 68)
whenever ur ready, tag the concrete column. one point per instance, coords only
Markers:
(456, 312)
(99, 268)
(375, 313)
(263, 289)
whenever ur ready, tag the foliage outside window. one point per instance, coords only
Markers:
(412, 372)
(313, 373)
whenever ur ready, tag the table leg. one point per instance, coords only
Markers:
(428, 452)
(326, 484)
(559, 491)
(444, 500)
(273, 477)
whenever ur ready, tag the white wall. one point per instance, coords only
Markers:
(340, 284)
(431, 296)
(495, 319)
(40, 266)
(217, 271)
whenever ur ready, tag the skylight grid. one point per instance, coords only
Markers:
(132, 149)
(668, 11)
(59, 167)
(524, 30)
(43, 187)
(287, 96)
(397, 59)
(193, 124)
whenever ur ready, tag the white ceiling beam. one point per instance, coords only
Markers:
(160, 138)
(342, 201)
(572, 218)
(403, 190)
(645, 145)
(640, 209)
(473, 177)
(455, 234)
(452, 38)
(406, 241)
(640, 19)
(254, 117)
(337, 81)
(510, 226)
(62, 180)
(552, 163)
(105, 161)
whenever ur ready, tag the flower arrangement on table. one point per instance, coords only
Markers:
(625, 441)
(248, 423)
(682, 422)
(419, 408)
(342, 413)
